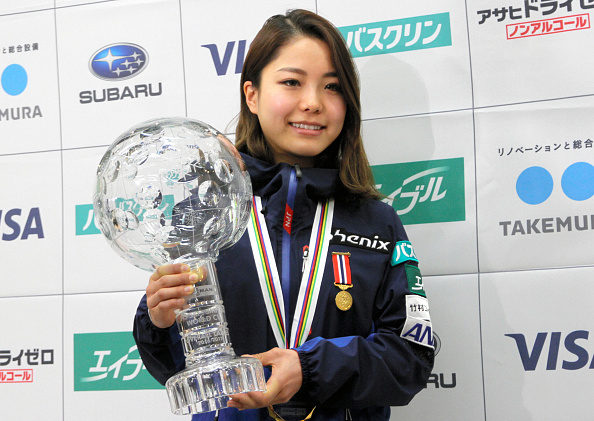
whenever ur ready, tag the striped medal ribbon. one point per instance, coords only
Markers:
(342, 279)
(311, 280)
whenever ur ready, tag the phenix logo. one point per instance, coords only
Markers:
(342, 237)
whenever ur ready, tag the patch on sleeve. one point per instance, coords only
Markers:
(403, 252)
(418, 331)
(417, 307)
(415, 280)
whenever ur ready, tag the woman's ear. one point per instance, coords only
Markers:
(251, 96)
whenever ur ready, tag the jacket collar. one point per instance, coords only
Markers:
(268, 179)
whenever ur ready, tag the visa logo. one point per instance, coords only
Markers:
(222, 63)
(530, 358)
(13, 221)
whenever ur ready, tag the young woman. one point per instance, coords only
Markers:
(364, 342)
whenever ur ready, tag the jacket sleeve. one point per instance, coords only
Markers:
(383, 369)
(159, 349)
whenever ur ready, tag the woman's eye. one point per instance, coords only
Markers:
(333, 87)
(290, 82)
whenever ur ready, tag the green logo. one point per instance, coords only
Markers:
(424, 192)
(85, 216)
(109, 361)
(395, 36)
(403, 252)
(415, 280)
(85, 221)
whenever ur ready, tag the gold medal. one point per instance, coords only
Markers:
(344, 300)
(342, 279)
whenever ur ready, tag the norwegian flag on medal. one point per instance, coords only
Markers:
(342, 279)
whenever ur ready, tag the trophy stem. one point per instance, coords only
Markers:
(213, 371)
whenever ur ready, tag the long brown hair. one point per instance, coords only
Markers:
(346, 153)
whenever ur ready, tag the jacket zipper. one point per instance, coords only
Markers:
(286, 246)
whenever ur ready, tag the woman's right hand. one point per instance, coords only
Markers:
(166, 291)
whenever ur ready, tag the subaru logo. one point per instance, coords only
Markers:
(118, 61)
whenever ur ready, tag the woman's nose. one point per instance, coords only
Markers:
(311, 101)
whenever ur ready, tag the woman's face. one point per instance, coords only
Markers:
(299, 102)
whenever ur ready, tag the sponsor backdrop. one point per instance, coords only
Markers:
(477, 122)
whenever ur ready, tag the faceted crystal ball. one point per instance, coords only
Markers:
(171, 190)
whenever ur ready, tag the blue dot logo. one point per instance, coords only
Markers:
(14, 79)
(534, 185)
(577, 181)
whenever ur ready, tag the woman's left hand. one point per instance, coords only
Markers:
(284, 382)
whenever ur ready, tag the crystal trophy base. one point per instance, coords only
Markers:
(213, 371)
(206, 386)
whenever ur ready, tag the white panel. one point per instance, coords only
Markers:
(108, 315)
(214, 98)
(31, 381)
(535, 218)
(536, 62)
(29, 109)
(67, 3)
(442, 247)
(31, 224)
(90, 265)
(454, 391)
(95, 111)
(555, 306)
(407, 82)
(17, 6)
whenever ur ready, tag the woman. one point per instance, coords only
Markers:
(363, 343)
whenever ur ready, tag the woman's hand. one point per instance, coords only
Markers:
(284, 382)
(166, 291)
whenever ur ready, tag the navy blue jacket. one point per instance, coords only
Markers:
(356, 363)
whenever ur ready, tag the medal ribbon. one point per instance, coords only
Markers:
(267, 271)
(342, 268)
(310, 282)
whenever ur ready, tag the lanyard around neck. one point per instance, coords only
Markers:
(311, 280)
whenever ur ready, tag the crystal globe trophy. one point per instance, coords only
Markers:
(174, 190)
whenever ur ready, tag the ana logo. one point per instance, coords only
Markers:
(222, 64)
(118, 61)
(535, 184)
(14, 79)
(109, 361)
(394, 36)
(14, 219)
(577, 356)
(424, 192)
(418, 331)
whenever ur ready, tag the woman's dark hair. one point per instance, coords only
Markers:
(346, 153)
